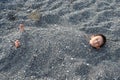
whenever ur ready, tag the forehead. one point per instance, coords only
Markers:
(100, 37)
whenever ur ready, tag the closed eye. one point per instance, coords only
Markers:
(97, 39)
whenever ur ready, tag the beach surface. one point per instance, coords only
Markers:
(55, 43)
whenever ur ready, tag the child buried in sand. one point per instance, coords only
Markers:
(97, 40)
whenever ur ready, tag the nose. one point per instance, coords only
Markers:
(96, 42)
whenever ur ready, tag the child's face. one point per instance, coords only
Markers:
(96, 41)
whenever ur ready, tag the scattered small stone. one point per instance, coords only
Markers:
(11, 16)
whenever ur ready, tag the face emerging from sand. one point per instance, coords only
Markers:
(96, 41)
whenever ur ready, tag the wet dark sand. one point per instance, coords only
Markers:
(54, 45)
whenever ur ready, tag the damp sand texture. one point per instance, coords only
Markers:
(54, 44)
